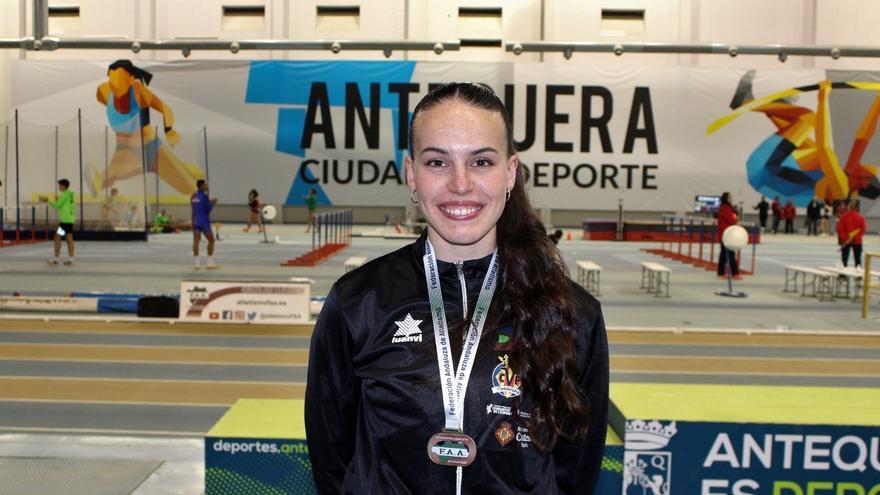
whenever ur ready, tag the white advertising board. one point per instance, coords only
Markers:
(234, 301)
(74, 304)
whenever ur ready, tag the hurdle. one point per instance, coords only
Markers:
(30, 234)
(692, 241)
(330, 235)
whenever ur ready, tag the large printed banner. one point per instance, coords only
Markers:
(653, 136)
(663, 458)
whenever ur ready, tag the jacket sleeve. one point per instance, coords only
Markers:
(862, 226)
(578, 464)
(332, 398)
(58, 203)
(841, 229)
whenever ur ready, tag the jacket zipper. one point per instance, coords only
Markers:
(459, 265)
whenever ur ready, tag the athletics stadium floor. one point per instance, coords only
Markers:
(84, 398)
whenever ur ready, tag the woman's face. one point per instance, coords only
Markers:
(120, 81)
(460, 172)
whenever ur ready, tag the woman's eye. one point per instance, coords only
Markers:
(482, 162)
(434, 163)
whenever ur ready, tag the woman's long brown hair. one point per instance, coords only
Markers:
(534, 294)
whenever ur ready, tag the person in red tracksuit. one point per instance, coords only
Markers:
(776, 208)
(726, 218)
(788, 213)
(850, 231)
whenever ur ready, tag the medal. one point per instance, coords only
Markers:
(452, 447)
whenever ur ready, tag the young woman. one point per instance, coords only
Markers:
(726, 218)
(467, 361)
(256, 216)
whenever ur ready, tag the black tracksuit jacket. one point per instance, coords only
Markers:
(372, 404)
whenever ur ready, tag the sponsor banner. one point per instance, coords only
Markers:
(250, 465)
(655, 137)
(245, 302)
(72, 304)
(750, 459)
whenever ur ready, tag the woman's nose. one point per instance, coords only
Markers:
(461, 180)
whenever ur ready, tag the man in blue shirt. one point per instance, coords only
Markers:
(201, 223)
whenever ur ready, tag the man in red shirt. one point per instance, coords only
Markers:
(850, 231)
(788, 213)
(726, 218)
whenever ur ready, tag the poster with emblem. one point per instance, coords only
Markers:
(672, 457)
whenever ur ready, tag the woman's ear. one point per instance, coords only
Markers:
(410, 173)
(512, 167)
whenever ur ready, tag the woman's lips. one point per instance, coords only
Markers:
(460, 212)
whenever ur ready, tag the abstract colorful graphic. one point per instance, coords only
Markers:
(798, 161)
(128, 103)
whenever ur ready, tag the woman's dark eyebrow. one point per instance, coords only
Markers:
(435, 150)
(487, 149)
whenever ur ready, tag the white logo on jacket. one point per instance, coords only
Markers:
(407, 330)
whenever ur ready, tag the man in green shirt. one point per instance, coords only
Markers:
(162, 223)
(64, 203)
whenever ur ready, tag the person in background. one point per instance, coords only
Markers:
(788, 214)
(109, 213)
(64, 203)
(131, 218)
(311, 200)
(556, 236)
(255, 217)
(162, 223)
(814, 212)
(201, 223)
(726, 218)
(776, 208)
(825, 220)
(763, 207)
(850, 231)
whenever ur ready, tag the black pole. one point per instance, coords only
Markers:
(144, 176)
(205, 139)
(17, 181)
(156, 129)
(56, 155)
(80, 139)
(106, 160)
(619, 219)
(5, 166)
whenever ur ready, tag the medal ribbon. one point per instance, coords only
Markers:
(453, 383)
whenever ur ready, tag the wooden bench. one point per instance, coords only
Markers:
(354, 262)
(820, 281)
(655, 278)
(588, 276)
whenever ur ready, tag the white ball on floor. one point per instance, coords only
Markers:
(735, 237)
